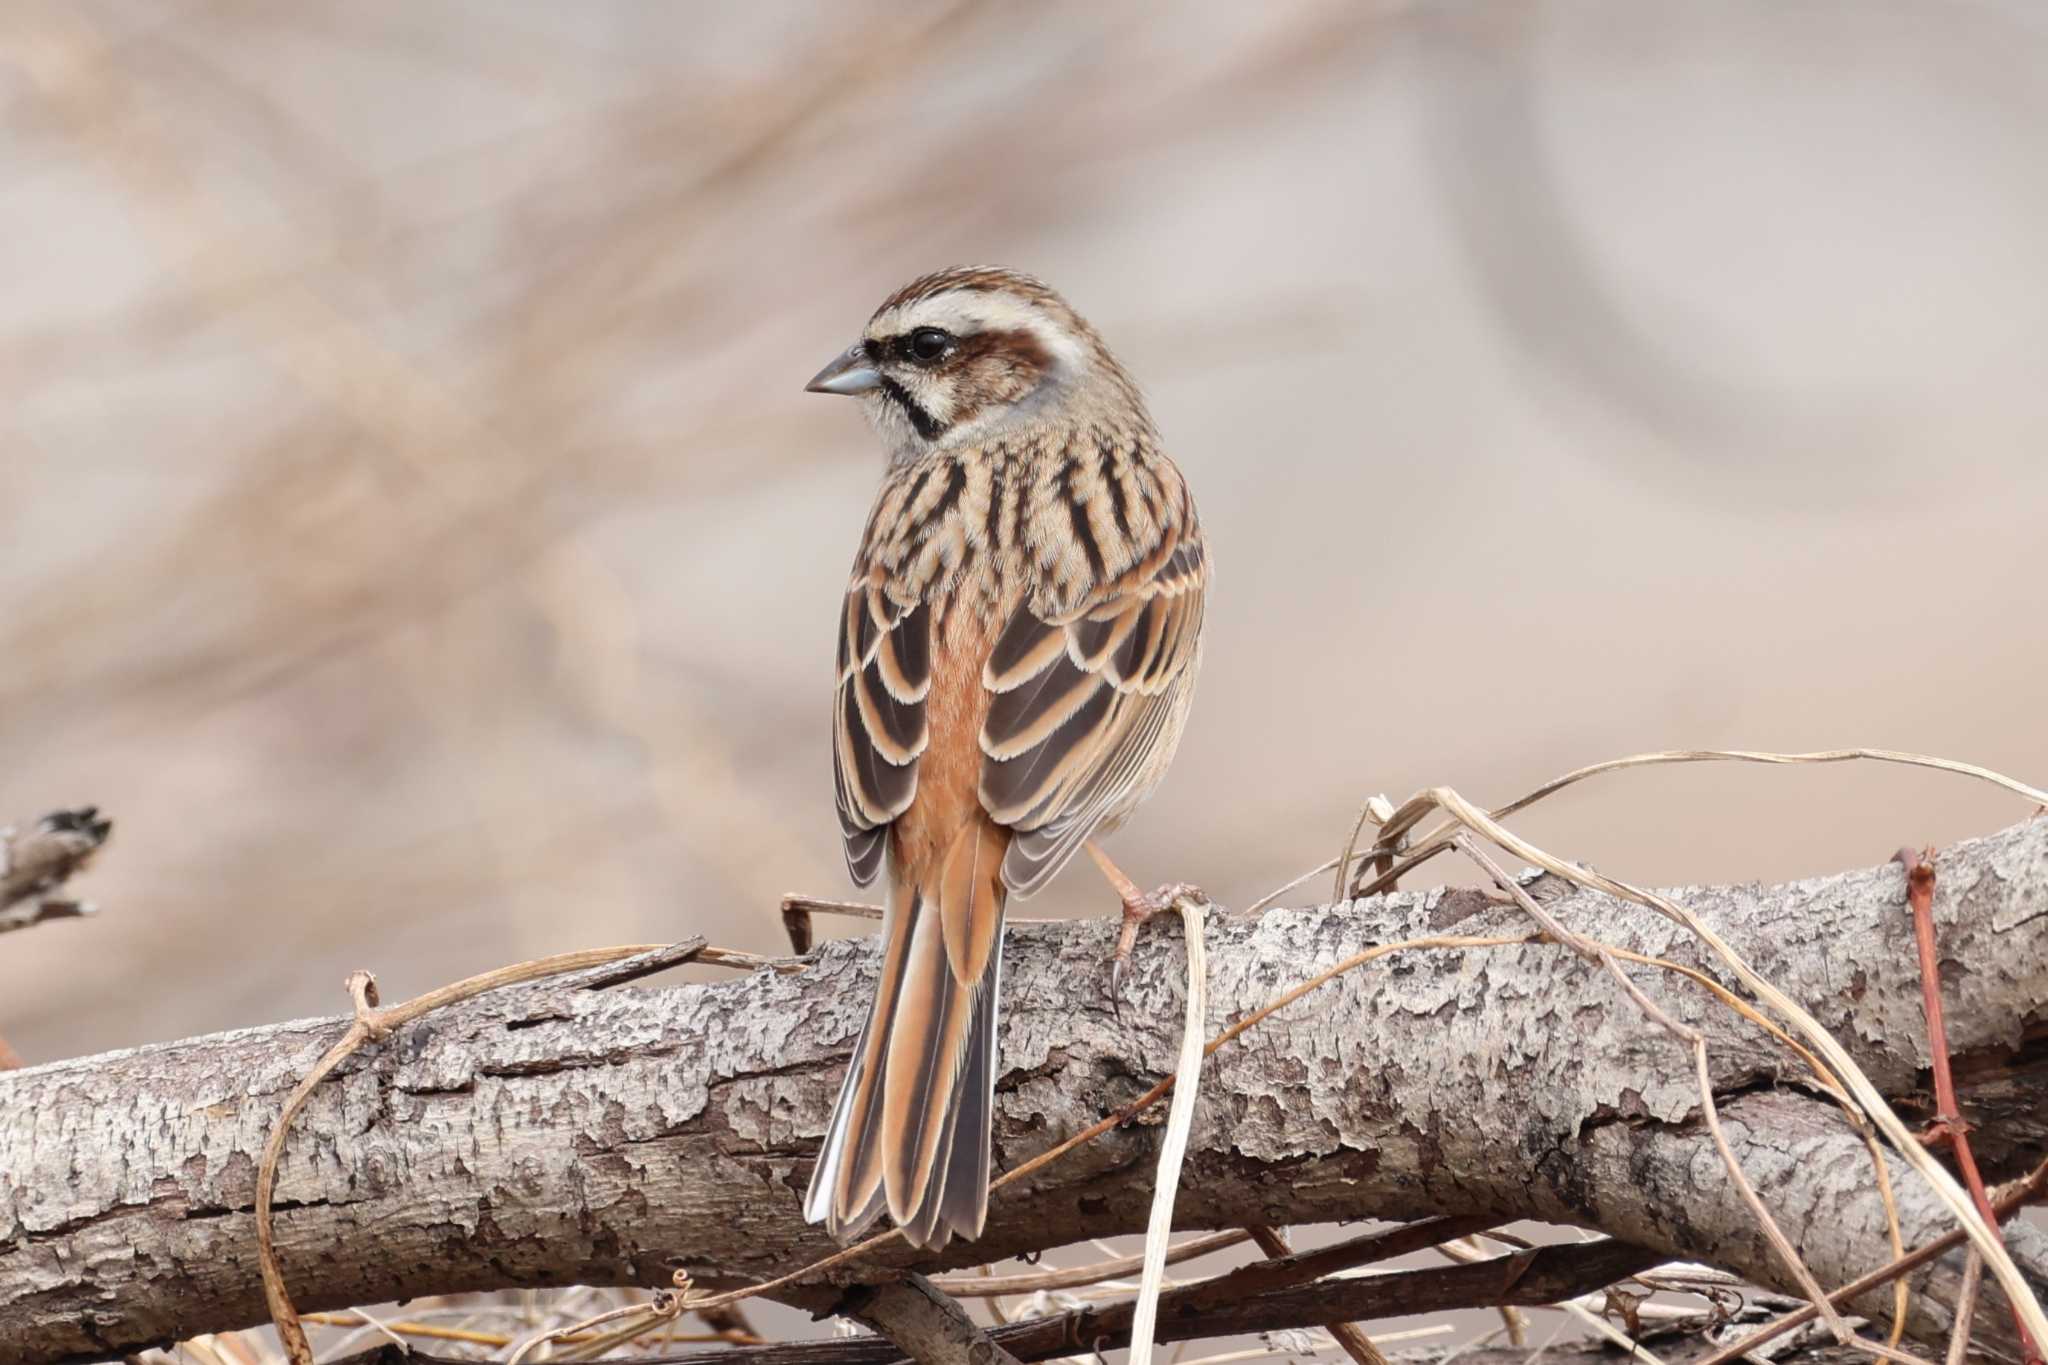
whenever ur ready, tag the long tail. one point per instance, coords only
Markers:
(911, 1129)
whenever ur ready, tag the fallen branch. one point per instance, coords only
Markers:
(1226, 1306)
(1350, 1338)
(929, 1327)
(543, 1135)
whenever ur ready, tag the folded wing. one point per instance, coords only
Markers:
(878, 719)
(1087, 705)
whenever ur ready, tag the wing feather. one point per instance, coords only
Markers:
(1085, 700)
(879, 729)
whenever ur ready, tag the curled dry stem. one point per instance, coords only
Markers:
(666, 1306)
(429, 1331)
(369, 1024)
(1395, 829)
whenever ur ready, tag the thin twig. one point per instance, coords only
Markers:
(1412, 812)
(1825, 1081)
(1513, 1324)
(1948, 1122)
(428, 1331)
(749, 962)
(383, 1331)
(1780, 1243)
(1966, 1309)
(995, 1286)
(658, 958)
(1348, 1335)
(929, 1327)
(1947, 765)
(1378, 810)
(664, 1307)
(797, 911)
(798, 908)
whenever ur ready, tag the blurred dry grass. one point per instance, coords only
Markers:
(416, 537)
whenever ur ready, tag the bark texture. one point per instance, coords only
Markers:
(551, 1135)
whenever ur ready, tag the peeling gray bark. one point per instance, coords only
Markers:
(545, 1136)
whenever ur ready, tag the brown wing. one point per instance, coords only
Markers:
(1087, 706)
(878, 720)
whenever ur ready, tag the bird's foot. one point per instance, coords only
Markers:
(1140, 906)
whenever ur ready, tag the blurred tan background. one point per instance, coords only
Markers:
(412, 529)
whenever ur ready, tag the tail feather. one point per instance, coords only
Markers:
(911, 1129)
(846, 1186)
(965, 1197)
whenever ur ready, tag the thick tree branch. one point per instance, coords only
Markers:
(549, 1135)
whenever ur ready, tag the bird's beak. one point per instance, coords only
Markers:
(849, 373)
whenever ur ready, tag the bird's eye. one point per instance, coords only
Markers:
(928, 344)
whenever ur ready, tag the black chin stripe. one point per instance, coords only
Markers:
(927, 425)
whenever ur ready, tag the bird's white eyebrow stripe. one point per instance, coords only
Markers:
(963, 311)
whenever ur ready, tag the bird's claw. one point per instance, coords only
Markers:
(1137, 910)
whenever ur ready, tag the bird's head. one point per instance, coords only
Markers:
(967, 354)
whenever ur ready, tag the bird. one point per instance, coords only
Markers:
(1017, 653)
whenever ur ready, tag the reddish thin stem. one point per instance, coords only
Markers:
(1948, 1114)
